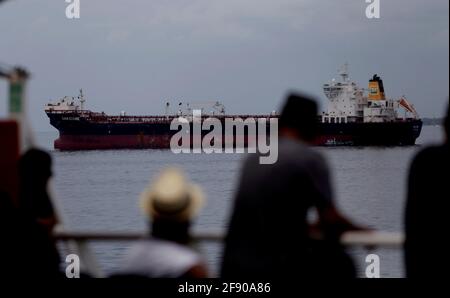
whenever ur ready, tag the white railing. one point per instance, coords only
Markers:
(366, 239)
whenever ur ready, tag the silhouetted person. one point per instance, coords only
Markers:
(171, 202)
(426, 226)
(36, 214)
(268, 235)
(12, 250)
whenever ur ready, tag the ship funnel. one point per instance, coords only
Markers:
(376, 89)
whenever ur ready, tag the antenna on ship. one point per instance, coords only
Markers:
(167, 108)
(343, 72)
(81, 98)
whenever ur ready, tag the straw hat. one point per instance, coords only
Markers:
(171, 196)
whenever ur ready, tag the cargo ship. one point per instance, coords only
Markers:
(354, 117)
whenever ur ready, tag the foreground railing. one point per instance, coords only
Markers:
(366, 239)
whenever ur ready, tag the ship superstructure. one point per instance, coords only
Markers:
(348, 102)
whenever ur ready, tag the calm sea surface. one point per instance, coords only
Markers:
(98, 190)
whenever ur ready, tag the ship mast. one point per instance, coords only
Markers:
(343, 72)
(82, 100)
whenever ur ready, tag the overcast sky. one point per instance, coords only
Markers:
(135, 55)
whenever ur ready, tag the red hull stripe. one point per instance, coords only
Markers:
(94, 142)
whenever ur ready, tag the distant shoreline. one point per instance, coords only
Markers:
(432, 121)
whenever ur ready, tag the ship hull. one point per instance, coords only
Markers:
(398, 133)
(76, 133)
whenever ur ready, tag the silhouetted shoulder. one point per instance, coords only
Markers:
(307, 161)
(425, 214)
(299, 152)
(431, 156)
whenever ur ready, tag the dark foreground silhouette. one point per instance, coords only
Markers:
(426, 228)
(268, 235)
(28, 250)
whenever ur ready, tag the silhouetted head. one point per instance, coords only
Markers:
(35, 165)
(171, 202)
(299, 114)
(34, 173)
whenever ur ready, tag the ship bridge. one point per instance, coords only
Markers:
(346, 100)
(67, 103)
